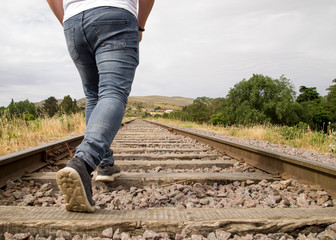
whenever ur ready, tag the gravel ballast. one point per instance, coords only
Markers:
(185, 195)
(189, 232)
(248, 194)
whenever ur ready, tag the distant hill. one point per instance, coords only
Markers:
(40, 104)
(151, 102)
(148, 102)
(80, 102)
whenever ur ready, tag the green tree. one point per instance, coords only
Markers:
(200, 110)
(50, 106)
(330, 102)
(22, 108)
(66, 105)
(308, 94)
(217, 104)
(312, 110)
(261, 99)
(75, 107)
(221, 114)
(11, 108)
(2, 110)
(179, 115)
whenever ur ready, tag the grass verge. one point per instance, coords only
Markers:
(300, 137)
(17, 134)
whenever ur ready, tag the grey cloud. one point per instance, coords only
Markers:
(190, 48)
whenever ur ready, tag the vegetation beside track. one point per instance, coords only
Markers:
(18, 134)
(297, 137)
(259, 108)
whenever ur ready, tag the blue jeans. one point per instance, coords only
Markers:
(103, 43)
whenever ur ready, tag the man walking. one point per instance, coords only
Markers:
(103, 38)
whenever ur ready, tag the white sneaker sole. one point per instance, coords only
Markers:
(103, 178)
(70, 184)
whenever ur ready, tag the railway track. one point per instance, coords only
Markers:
(173, 185)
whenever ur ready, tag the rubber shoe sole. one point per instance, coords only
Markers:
(107, 178)
(70, 184)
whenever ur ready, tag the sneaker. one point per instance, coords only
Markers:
(75, 184)
(107, 173)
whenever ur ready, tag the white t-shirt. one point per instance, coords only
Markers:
(73, 7)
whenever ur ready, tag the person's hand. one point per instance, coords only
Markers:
(140, 36)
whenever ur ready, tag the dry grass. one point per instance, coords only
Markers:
(17, 134)
(304, 139)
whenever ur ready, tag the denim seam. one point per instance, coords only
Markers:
(74, 53)
(84, 35)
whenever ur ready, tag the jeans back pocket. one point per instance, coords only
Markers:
(111, 34)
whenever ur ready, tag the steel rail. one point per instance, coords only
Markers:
(280, 164)
(13, 166)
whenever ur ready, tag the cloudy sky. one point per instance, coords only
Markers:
(191, 48)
